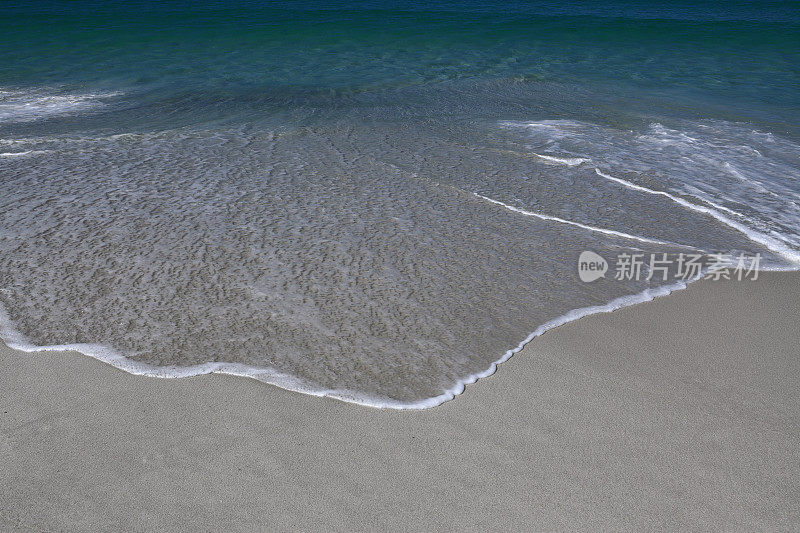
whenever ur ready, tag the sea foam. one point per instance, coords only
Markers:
(34, 104)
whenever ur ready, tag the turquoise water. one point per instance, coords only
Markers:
(336, 197)
(737, 61)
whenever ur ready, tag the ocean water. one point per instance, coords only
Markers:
(370, 200)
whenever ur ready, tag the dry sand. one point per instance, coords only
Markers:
(682, 413)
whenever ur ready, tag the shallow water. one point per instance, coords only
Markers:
(376, 204)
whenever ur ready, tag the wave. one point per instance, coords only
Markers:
(743, 178)
(772, 243)
(604, 231)
(569, 161)
(15, 340)
(22, 154)
(283, 185)
(36, 104)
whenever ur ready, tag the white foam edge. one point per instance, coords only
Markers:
(569, 161)
(770, 243)
(604, 231)
(15, 340)
(32, 105)
(21, 154)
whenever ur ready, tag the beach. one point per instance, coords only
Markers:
(678, 414)
(399, 266)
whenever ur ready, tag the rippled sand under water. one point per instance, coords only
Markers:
(383, 262)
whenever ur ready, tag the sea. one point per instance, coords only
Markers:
(380, 201)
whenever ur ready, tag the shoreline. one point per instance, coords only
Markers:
(683, 413)
(13, 339)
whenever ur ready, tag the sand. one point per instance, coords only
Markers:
(682, 413)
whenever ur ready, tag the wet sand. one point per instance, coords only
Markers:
(681, 413)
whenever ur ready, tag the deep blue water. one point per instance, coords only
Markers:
(727, 60)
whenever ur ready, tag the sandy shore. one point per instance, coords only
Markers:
(682, 413)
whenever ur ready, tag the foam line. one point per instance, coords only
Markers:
(15, 340)
(578, 224)
(31, 105)
(770, 242)
(20, 154)
(569, 161)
